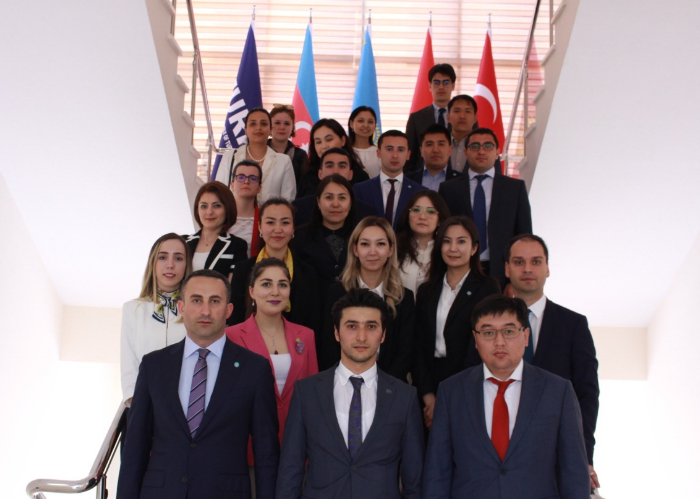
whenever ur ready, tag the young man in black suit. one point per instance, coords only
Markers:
(560, 341)
(435, 150)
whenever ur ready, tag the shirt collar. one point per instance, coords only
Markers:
(441, 173)
(216, 348)
(517, 374)
(490, 173)
(383, 177)
(537, 308)
(378, 290)
(458, 143)
(344, 374)
(459, 284)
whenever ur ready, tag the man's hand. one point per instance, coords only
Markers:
(429, 401)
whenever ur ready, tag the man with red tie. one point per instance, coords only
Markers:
(505, 428)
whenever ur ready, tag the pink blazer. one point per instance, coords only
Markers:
(302, 347)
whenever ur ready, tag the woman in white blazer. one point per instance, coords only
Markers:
(277, 169)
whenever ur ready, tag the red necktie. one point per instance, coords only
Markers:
(500, 436)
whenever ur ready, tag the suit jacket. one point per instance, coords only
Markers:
(459, 340)
(371, 193)
(509, 214)
(305, 209)
(248, 335)
(417, 123)
(304, 295)
(546, 457)
(226, 252)
(395, 354)
(417, 175)
(312, 248)
(394, 444)
(160, 459)
(565, 347)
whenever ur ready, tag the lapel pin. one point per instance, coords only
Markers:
(236, 364)
(388, 391)
(299, 346)
(469, 293)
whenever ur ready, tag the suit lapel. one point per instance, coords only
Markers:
(297, 359)
(376, 186)
(385, 401)
(218, 249)
(529, 398)
(407, 191)
(547, 333)
(172, 368)
(324, 391)
(433, 300)
(496, 194)
(468, 197)
(469, 288)
(474, 394)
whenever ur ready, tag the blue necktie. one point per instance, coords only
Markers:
(480, 213)
(355, 419)
(530, 348)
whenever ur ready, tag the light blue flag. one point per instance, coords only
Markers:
(366, 93)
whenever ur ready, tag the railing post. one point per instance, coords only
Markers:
(172, 23)
(193, 93)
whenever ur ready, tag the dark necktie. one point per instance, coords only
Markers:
(500, 434)
(355, 419)
(479, 211)
(195, 409)
(441, 117)
(389, 209)
(530, 348)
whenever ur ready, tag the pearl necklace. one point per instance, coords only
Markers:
(247, 150)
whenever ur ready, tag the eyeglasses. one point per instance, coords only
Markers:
(444, 83)
(508, 333)
(286, 107)
(488, 146)
(417, 210)
(253, 179)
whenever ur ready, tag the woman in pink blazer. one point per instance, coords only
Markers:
(290, 348)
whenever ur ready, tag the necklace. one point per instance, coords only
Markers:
(247, 150)
(274, 347)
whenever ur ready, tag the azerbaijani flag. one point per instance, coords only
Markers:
(305, 100)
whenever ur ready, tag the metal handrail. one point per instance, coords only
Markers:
(98, 472)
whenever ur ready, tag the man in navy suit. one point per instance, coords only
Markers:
(498, 204)
(390, 190)
(560, 340)
(195, 405)
(442, 78)
(359, 428)
(435, 150)
(505, 428)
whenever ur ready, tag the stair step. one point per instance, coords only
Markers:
(558, 12)
(538, 95)
(522, 164)
(176, 46)
(188, 119)
(548, 55)
(530, 129)
(181, 83)
(169, 6)
(194, 152)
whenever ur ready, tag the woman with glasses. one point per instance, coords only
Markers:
(276, 168)
(276, 228)
(415, 236)
(444, 342)
(282, 116)
(361, 128)
(245, 184)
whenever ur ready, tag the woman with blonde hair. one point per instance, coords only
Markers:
(372, 264)
(152, 321)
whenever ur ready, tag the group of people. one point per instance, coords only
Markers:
(408, 274)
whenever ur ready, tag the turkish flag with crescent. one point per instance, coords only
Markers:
(486, 94)
(422, 96)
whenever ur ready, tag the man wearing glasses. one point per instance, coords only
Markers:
(498, 204)
(442, 79)
(517, 428)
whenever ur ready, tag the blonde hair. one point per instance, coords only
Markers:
(149, 286)
(391, 276)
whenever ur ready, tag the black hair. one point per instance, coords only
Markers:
(526, 237)
(358, 297)
(498, 305)
(207, 273)
(443, 68)
(435, 128)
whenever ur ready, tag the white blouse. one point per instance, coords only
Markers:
(243, 228)
(447, 298)
(199, 260)
(369, 160)
(413, 274)
(282, 363)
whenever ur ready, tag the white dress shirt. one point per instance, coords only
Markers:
(342, 396)
(243, 228)
(512, 396)
(189, 360)
(459, 157)
(413, 274)
(536, 314)
(378, 290)
(447, 298)
(487, 184)
(386, 188)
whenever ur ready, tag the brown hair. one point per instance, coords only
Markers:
(225, 197)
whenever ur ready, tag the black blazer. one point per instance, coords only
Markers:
(305, 209)
(459, 340)
(417, 175)
(303, 295)
(565, 347)
(417, 123)
(227, 251)
(159, 450)
(396, 353)
(509, 214)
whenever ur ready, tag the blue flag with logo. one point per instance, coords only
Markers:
(246, 95)
(366, 93)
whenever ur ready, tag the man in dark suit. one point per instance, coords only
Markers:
(390, 190)
(561, 342)
(359, 428)
(435, 150)
(505, 428)
(498, 204)
(196, 404)
(442, 78)
(334, 160)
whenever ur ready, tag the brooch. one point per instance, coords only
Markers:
(299, 346)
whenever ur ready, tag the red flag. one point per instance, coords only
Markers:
(422, 96)
(486, 94)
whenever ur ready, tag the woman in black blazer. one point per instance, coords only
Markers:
(444, 340)
(372, 264)
(276, 228)
(212, 247)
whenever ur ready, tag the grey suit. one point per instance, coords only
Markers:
(394, 443)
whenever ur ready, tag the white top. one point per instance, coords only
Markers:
(413, 274)
(199, 260)
(379, 290)
(447, 298)
(189, 361)
(386, 188)
(487, 184)
(142, 334)
(458, 157)
(512, 397)
(278, 173)
(369, 160)
(536, 314)
(243, 228)
(342, 396)
(281, 363)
